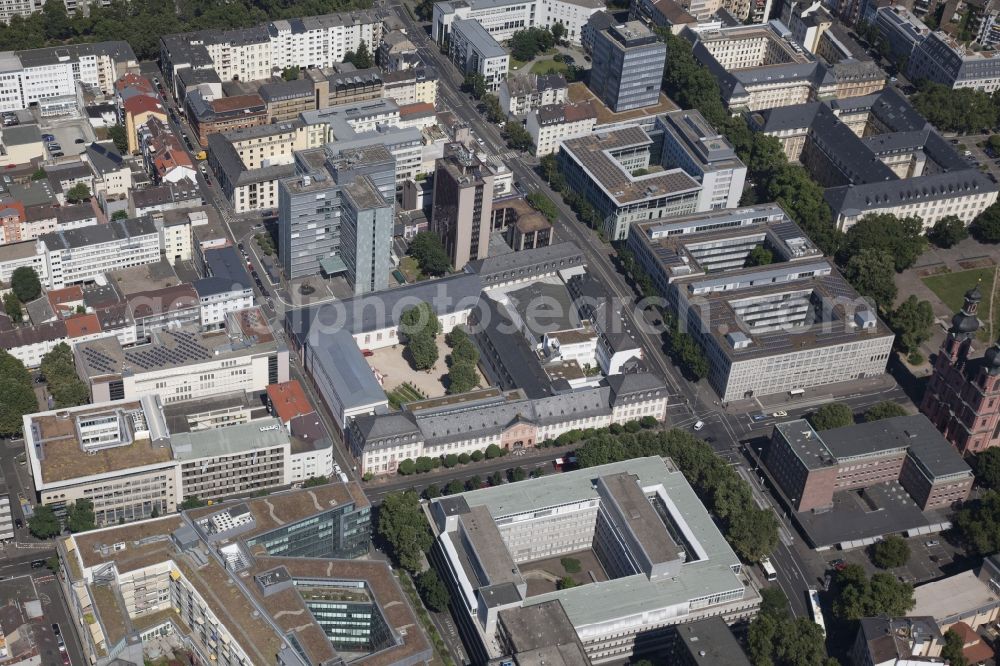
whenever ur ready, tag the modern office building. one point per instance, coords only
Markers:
(508, 419)
(81, 255)
(811, 466)
(692, 144)
(226, 287)
(475, 51)
(941, 59)
(502, 19)
(463, 203)
(276, 581)
(787, 326)
(336, 217)
(136, 458)
(961, 398)
(31, 77)
(628, 63)
(654, 555)
(876, 154)
(601, 167)
(901, 30)
(183, 363)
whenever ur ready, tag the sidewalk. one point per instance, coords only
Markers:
(813, 396)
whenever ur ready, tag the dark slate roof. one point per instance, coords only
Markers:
(105, 157)
(855, 199)
(99, 233)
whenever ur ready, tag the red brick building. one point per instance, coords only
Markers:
(812, 466)
(963, 397)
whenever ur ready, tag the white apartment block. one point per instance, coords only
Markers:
(253, 54)
(16, 255)
(941, 59)
(550, 125)
(692, 144)
(131, 457)
(81, 255)
(40, 74)
(505, 17)
(11, 8)
(410, 86)
(475, 51)
(181, 364)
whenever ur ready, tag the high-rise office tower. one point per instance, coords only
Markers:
(463, 202)
(628, 66)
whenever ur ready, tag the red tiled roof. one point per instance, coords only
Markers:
(975, 649)
(228, 104)
(288, 400)
(133, 80)
(144, 104)
(72, 294)
(83, 324)
(418, 109)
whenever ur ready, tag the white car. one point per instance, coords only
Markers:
(779, 415)
(699, 425)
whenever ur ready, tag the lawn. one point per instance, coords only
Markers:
(517, 64)
(403, 394)
(951, 288)
(410, 268)
(549, 67)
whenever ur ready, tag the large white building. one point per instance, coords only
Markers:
(941, 59)
(502, 18)
(663, 561)
(551, 124)
(257, 53)
(81, 255)
(476, 51)
(180, 364)
(134, 458)
(28, 77)
(789, 326)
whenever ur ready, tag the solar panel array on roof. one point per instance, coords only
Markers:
(186, 348)
(99, 361)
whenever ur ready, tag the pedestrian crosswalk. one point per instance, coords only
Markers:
(507, 155)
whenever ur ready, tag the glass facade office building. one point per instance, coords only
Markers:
(342, 532)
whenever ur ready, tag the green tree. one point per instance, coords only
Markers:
(475, 84)
(464, 351)
(362, 58)
(464, 458)
(902, 238)
(518, 474)
(558, 31)
(432, 491)
(775, 637)
(450, 460)
(948, 231)
(66, 387)
(912, 322)
(491, 104)
(986, 227)
(80, 516)
(857, 596)
(953, 652)
(314, 481)
(53, 564)
(119, 215)
(870, 272)
(78, 193)
(462, 378)
(119, 137)
(477, 456)
(987, 468)
(427, 249)
(432, 591)
(43, 523)
(291, 73)
(570, 565)
(963, 110)
(423, 351)
(38, 174)
(13, 369)
(493, 451)
(16, 400)
(565, 583)
(886, 409)
(419, 321)
(517, 136)
(543, 205)
(12, 307)
(406, 467)
(403, 526)
(890, 552)
(455, 486)
(191, 502)
(833, 415)
(759, 256)
(977, 524)
(25, 284)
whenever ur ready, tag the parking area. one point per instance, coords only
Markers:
(71, 135)
(930, 557)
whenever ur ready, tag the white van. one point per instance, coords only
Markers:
(699, 425)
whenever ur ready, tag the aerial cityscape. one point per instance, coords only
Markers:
(500, 333)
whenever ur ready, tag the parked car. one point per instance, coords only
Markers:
(53, 146)
(699, 425)
(780, 414)
(838, 564)
(18, 523)
(932, 543)
(57, 154)
(48, 137)
(80, 140)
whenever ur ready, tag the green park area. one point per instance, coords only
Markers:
(549, 67)
(951, 288)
